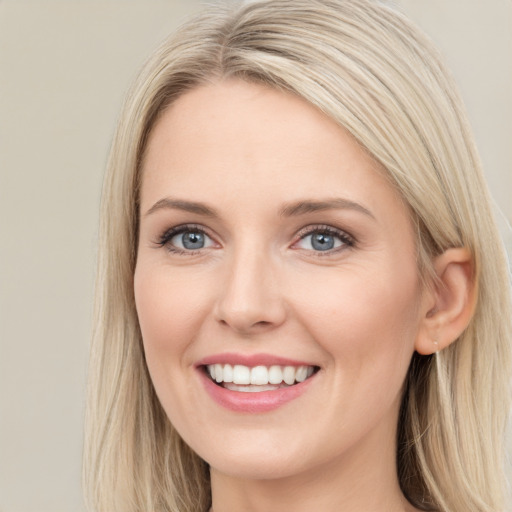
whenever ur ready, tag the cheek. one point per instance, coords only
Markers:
(169, 308)
(365, 315)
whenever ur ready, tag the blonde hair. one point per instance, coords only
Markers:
(368, 68)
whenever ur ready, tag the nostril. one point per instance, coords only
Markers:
(246, 304)
(262, 323)
(244, 324)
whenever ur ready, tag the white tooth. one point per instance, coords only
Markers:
(302, 373)
(241, 374)
(211, 370)
(275, 375)
(310, 371)
(250, 388)
(218, 373)
(228, 373)
(259, 375)
(289, 375)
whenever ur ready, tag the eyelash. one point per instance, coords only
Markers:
(346, 239)
(167, 236)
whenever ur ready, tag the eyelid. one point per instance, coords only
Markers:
(165, 238)
(346, 238)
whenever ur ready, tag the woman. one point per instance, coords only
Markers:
(302, 296)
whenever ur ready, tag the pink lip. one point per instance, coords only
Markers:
(251, 360)
(245, 402)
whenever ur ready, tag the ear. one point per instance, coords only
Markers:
(448, 306)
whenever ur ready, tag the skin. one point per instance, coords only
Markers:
(357, 312)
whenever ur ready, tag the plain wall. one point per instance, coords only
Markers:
(64, 67)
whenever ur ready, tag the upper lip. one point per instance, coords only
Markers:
(251, 360)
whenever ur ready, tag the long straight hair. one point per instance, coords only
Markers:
(370, 70)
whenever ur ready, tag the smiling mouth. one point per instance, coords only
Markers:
(258, 378)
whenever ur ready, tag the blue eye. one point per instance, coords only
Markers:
(185, 239)
(323, 240)
(189, 240)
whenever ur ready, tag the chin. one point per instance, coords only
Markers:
(265, 458)
(258, 468)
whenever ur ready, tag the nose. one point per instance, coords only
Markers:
(250, 299)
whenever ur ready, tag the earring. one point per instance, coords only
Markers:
(436, 344)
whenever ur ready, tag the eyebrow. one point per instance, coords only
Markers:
(179, 204)
(290, 210)
(303, 207)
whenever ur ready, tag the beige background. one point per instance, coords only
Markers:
(64, 67)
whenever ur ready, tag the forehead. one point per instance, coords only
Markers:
(237, 140)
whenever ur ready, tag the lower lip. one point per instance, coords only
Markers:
(253, 402)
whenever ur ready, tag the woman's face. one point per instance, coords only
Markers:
(272, 247)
